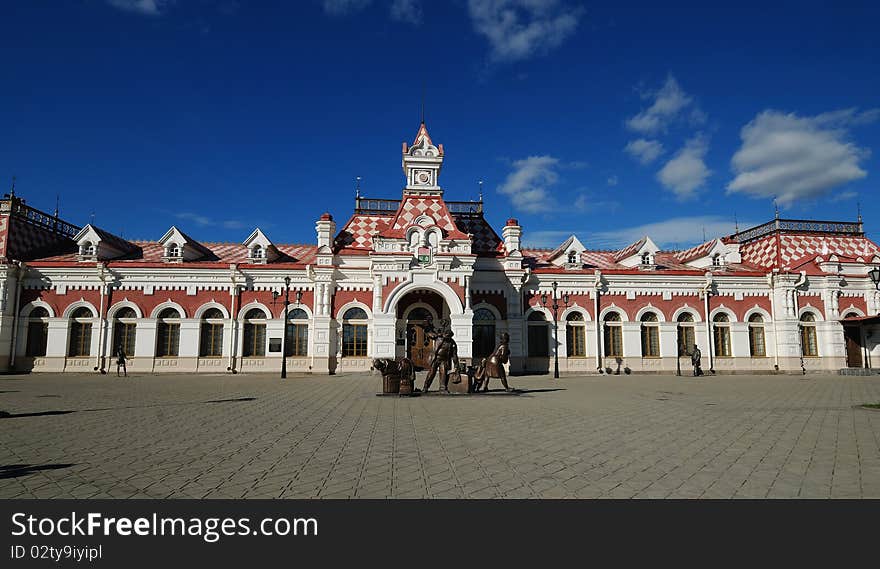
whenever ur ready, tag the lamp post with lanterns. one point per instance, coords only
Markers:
(555, 307)
(276, 294)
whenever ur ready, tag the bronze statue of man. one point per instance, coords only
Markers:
(493, 366)
(443, 360)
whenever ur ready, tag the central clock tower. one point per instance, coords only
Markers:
(421, 164)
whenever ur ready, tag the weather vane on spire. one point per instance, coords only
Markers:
(357, 188)
(481, 190)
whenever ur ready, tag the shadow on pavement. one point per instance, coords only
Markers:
(7, 415)
(16, 470)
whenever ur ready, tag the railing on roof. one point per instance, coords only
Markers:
(371, 206)
(800, 225)
(42, 219)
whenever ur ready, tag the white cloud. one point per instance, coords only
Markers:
(203, 221)
(686, 171)
(520, 29)
(529, 183)
(612, 181)
(409, 11)
(645, 151)
(678, 232)
(668, 103)
(535, 239)
(147, 7)
(344, 7)
(790, 157)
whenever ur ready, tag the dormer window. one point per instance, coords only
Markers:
(717, 260)
(87, 249)
(647, 259)
(572, 257)
(174, 251)
(258, 254)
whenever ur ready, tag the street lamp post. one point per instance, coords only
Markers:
(284, 333)
(875, 276)
(678, 349)
(555, 308)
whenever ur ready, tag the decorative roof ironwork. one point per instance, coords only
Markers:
(799, 226)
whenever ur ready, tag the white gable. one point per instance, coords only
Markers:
(178, 247)
(260, 249)
(571, 248)
(648, 248)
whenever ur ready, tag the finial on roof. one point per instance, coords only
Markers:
(481, 190)
(92, 218)
(859, 208)
(422, 109)
(704, 234)
(57, 200)
(12, 190)
(357, 188)
(735, 223)
(776, 207)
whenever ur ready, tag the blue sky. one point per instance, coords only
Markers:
(607, 120)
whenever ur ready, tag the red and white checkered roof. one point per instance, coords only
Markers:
(794, 247)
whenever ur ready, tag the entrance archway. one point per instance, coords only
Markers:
(421, 315)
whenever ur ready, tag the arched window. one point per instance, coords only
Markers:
(37, 332)
(575, 335)
(87, 249)
(124, 330)
(647, 258)
(211, 333)
(174, 250)
(650, 336)
(538, 335)
(254, 333)
(572, 257)
(258, 252)
(721, 335)
(613, 335)
(687, 339)
(484, 333)
(809, 346)
(168, 333)
(354, 333)
(757, 345)
(80, 332)
(297, 341)
(717, 260)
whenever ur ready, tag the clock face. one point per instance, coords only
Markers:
(423, 177)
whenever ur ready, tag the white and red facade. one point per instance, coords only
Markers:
(787, 295)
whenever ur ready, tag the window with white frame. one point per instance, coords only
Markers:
(650, 335)
(80, 341)
(37, 332)
(757, 345)
(124, 331)
(168, 333)
(721, 335)
(254, 333)
(576, 335)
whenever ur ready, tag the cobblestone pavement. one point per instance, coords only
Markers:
(331, 437)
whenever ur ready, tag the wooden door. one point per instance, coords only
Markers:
(853, 346)
(420, 347)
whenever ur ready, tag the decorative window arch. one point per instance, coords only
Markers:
(124, 330)
(613, 332)
(254, 332)
(168, 332)
(37, 331)
(538, 334)
(650, 330)
(81, 320)
(757, 342)
(572, 257)
(174, 250)
(687, 337)
(163, 307)
(721, 334)
(211, 307)
(74, 307)
(354, 332)
(483, 333)
(576, 334)
(649, 309)
(809, 341)
(87, 249)
(211, 331)
(296, 342)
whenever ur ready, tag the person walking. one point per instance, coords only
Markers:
(695, 360)
(120, 361)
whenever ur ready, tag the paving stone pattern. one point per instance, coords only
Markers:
(254, 436)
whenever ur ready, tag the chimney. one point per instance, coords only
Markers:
(326, 229)
(512, 234)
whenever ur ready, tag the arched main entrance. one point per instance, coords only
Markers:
(421, 315)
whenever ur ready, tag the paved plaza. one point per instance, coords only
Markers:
(330, 437)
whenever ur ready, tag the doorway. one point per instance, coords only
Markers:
(419, 326)
(852, 334)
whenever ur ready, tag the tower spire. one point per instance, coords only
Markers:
(12, 189)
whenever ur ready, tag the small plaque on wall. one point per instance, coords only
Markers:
(274, 344)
